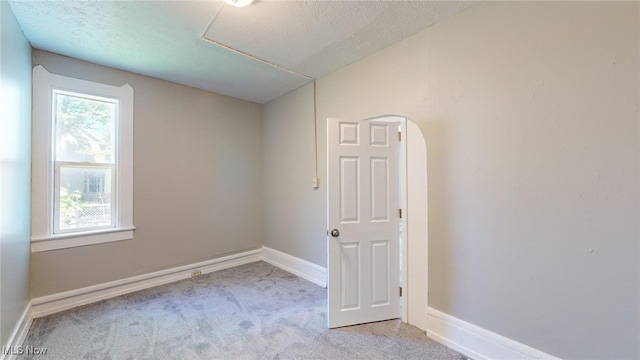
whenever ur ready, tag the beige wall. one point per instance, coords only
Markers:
(530, 112)
(197, 182)
(15, 172)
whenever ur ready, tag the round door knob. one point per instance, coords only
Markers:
(335, 233)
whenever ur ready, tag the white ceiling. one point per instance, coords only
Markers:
(194, 42)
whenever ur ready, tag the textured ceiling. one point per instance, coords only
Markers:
(166, 39)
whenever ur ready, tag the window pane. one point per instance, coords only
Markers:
(85, 129)
(85, 197)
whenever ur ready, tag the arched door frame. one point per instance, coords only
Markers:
(414, 255)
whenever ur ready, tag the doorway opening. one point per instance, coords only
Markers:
(411, 187)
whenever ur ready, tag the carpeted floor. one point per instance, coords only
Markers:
(253, 311)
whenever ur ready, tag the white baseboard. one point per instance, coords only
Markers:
(69, 299)
(476, 342)
(302, 268)
(19, 333)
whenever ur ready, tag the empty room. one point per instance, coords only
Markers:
(302, 179)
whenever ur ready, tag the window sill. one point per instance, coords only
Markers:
(64, 241)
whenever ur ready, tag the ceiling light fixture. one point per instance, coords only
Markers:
(239, 3)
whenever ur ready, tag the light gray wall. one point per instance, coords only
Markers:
(294, 210)
(15, 172)
(197, 182)
(530, 112)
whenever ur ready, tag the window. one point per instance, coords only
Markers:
(82, 162)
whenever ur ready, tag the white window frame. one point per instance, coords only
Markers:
(43, 237)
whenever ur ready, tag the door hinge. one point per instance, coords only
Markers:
(399, 135)
(400, 290)
(400, 212)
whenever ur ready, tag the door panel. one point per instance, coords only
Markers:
(379, 189)
(380, 271)
(350, 275)
(363, 201)
(350, 189)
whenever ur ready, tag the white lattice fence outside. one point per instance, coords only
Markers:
(91, 215)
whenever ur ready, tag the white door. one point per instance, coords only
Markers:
(363, 219)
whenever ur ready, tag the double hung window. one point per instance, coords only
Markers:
(82, 162)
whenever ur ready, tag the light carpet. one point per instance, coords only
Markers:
(253, 311)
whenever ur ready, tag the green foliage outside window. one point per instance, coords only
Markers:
(71, 206)
(85, 121)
